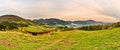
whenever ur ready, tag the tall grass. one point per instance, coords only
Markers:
(64, 40)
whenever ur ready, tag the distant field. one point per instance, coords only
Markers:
(67, 40)
(38, 29)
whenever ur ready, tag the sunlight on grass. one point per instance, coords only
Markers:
(66, 40)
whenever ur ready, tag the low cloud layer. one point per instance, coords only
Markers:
(99, 10)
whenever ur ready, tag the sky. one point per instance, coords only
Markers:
(98, 10)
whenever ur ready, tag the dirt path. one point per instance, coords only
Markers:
(7, 43)
(53, 43)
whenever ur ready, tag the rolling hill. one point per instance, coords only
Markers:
(14, 19)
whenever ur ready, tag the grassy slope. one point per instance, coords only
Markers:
(69, 40)
(38, 29)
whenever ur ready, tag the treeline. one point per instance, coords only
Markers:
(100, 27)
(10, 26)
(65, 28)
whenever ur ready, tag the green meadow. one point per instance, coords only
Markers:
(62, 40)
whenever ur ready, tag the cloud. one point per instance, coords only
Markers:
(99, 10)
(110, 7)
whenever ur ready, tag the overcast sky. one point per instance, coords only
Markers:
(99, 10)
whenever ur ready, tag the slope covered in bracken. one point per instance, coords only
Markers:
(14, 19)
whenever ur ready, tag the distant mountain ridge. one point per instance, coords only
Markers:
(52, 21)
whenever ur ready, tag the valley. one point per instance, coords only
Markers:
(22, 34)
